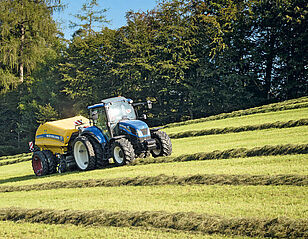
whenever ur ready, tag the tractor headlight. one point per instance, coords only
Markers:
(139, 133)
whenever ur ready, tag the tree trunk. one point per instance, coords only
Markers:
(22, 43)
(269, 66)
(268, 75)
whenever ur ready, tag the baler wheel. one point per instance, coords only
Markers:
(122, 152)
(84, 153)
(163, 144)
(40, 163)
(52, 162)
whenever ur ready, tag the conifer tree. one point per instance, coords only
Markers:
(90, 17)
(27, 31)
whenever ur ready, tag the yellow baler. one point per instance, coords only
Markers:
(55, 135)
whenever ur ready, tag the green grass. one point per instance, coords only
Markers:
(250, 139)
(269, 165)
(254, 119)
(10, 230)
(228, 201)
(281, 106)
(14, 161)
(15, 156)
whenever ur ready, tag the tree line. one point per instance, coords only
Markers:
(191, 58)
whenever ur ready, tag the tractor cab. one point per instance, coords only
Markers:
(117, 116)
(114, 121)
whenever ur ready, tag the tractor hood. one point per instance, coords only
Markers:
(137, 128)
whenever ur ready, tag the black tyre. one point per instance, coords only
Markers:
(122, 152)
(163, 144)
(84, 153)
(52, 161)
(62, 166)
(144, 155)
(40, 163)
(99, 155)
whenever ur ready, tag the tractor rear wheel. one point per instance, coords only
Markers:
(52, 162)
(100, 162)
(40, 163)
(163, 144)
(84, 153)
(123, 152)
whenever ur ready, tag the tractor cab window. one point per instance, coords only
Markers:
(121, 110)
(100, 120)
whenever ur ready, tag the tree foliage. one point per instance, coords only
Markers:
(26, 31)
(191, 58)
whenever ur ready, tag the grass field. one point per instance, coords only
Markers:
(254, 204)
(12, 230)
(269, 165)
(254, 119)
(229, 201)
(297, 135)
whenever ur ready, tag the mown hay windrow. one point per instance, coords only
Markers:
(14, 161)
(266, 150)
(205, 179)
(187, 221)
(17, 156)
(277, 125)
(286, 105)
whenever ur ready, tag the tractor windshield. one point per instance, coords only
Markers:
(121, 111)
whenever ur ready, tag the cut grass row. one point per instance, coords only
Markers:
(225, 200)
(249, 139)
(274, 228)
(245, 202)
(231, 153)
(22, 174)
(226, 130)
(15, 156)
(208, 143)
(15, 160)
(255, 119)
(282, 106)
(12, 230)
(199, 179)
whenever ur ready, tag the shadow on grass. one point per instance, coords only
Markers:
(17, 179)
(59, 175)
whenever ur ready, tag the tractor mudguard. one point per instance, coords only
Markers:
(95, 133)
(156, 129)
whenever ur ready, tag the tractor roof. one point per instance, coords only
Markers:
(113, 100)
(108, 101)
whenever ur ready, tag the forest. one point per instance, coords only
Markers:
(192, 59)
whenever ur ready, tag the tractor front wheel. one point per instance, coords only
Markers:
(84, 153)
(122, 152)
(40, 163)
(163, 144)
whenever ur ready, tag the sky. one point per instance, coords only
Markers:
(116, 10)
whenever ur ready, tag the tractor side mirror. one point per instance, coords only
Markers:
(149, 104)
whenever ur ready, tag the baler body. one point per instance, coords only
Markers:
(55, 135)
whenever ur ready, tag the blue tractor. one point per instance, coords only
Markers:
(117, 132)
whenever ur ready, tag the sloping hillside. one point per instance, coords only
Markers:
(241, 174)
